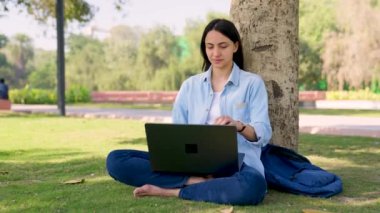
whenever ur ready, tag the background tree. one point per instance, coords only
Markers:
(316, 18)
(85, 62)
(42, 10)
(5, 69)
(3, 40)
(351, 56)
(19, 51)
(121, 49)
(269, 31)
(43, 73)
(191, 59)
(155, 51)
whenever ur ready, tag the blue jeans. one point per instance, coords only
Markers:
(132, 167)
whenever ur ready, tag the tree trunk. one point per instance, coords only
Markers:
(269, 31)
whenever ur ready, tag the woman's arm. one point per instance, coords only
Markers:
(180, 108)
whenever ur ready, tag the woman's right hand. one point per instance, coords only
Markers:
(227, 120)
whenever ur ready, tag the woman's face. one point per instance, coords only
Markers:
(220, 50)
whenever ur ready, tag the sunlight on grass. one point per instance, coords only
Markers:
(96, 179)
(359, 151)
(359, 201)
(333, 163)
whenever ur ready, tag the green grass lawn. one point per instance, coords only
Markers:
(38, 153)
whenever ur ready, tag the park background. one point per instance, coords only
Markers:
(40, 153)
(339, 51)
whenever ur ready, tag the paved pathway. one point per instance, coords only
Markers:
(340, 125)
(314, 124)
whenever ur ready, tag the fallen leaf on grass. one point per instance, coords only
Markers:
(229, 210)
(76, 181)
(4, 172)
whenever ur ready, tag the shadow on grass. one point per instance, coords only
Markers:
(132, 141)
(358, 150)
(38, 154)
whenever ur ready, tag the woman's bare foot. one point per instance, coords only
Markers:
(151, 190)
(197, 179)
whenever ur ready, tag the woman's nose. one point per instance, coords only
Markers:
(216, 51)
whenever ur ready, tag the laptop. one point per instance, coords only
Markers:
(193, 149)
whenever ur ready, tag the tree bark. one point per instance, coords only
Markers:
(269, 31)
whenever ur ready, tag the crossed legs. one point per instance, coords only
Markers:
(133, 168)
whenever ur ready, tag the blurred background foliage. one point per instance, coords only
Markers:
(339, 51)
(339, 45)
(130, 58)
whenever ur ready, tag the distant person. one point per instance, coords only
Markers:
(231, 96)
(3, 89)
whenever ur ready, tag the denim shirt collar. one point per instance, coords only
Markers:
(233, 79)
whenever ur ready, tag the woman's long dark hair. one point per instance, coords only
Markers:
(228, 29)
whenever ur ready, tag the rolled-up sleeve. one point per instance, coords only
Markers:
(180, 107)
(259, 116)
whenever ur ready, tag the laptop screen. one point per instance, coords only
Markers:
(192, 148)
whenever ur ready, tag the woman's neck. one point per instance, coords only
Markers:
(219, 78)
(221, 73)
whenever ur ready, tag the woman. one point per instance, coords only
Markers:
(226, 95)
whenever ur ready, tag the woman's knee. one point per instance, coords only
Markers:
(127, 166)
(118, 161)
(253, 188)
(113, 161)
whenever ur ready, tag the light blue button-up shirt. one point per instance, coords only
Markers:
(243, 98)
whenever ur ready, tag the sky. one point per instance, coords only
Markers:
(145, 13)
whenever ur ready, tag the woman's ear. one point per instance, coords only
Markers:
(236, 46)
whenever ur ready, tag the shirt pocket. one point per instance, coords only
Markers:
(240, 112)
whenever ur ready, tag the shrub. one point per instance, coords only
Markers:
(78, 94)
(27, 95)
(32, 96)
(365, 94)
